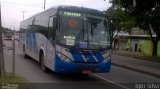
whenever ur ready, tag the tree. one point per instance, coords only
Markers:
(119, 20)
(146, 14)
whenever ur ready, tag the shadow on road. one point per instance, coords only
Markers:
(74, 77)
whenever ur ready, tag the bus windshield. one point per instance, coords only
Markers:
(83, 31)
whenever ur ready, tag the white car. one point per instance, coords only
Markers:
(17, 36)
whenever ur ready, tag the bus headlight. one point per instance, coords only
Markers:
(63, 57)
(107, 59)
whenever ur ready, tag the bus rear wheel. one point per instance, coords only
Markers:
(43, 67)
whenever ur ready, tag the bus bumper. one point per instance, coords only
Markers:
(71, 67)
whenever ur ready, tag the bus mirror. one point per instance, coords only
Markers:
(54, 23)
(106, 22)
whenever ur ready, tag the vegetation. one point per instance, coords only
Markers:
(146, 14)
(119, 20)
(9, 78)
(8, 81)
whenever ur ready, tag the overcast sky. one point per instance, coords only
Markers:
(12, 9)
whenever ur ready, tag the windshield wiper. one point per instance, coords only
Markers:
(93, 26)
(79, 35)
(81, 31)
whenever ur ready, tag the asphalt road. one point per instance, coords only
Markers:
(118, 78)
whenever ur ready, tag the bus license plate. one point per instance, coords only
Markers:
(86, 71)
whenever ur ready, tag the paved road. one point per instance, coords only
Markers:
(118, 78)
(143, 66)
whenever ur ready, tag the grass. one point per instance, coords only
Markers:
(9, 78)
(138, 55)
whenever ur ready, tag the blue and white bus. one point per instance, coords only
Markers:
(68, 39)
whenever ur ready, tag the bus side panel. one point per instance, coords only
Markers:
(34, 42)
(49, 52)
(35, 37)
(50, 55)
(22, 40)
(31, 45)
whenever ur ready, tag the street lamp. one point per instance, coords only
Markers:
(44, 4)
(2, 69)
(23, 14)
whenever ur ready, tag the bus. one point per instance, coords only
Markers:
(68, 39)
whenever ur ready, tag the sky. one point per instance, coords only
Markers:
(12, 10)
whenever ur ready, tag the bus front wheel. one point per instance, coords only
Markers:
(24, 52)
(43, 67)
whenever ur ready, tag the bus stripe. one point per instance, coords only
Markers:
(95, 58)
(84, 58)
(98, 56)
(89, 57)
(77, 56)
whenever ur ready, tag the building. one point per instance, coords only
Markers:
(137, 41)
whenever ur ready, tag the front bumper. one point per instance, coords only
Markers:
(61, 66)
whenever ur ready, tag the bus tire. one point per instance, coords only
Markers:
(24, 52)
(43, 67)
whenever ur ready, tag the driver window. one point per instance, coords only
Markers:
(50, 30)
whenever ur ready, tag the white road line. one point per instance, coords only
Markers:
(111, 81)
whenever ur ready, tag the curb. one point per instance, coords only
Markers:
(133, 56)
(137, 70)
(137, 57)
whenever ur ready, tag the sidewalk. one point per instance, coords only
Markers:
(143, 66)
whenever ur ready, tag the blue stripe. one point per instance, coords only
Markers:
(31, 43)
(34, 47)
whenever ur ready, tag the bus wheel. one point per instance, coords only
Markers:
(24, 53)
(43, 67)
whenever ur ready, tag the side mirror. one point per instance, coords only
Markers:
(54, 23)
(108, 25)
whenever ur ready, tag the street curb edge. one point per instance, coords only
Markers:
(137, 70)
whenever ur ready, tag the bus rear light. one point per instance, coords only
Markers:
(86, 72)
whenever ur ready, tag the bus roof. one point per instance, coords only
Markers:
(71, 8)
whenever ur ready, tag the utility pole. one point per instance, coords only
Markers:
(13, 50)
(44, 4)
(23, 14)
(2, 70)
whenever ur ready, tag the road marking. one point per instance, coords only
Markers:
(111, 81)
